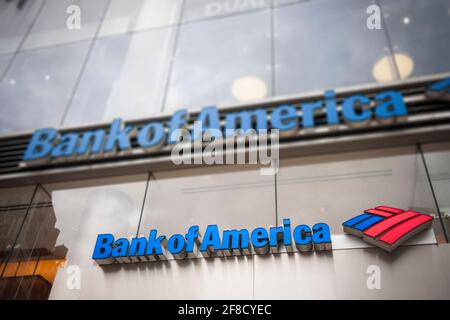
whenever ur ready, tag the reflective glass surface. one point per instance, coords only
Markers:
(4, 61)
(207, 196)
(336, 187)
(221, 61)
(437, 158)
(125, 77)
(420, 33)
(65, 21)
(37, 87)
(325, 44)
(15, 21)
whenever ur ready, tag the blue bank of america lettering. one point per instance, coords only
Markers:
(48, 144)
(213, 243)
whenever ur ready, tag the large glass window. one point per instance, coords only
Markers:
(51, 256)
(437, 158)
(13, 205)
(336, 187)
(28, 244)
(83, 210)
(326, 44)
(124, 77)
(221, 61)
(37, 87)
(420, 33)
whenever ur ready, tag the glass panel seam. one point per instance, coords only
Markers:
(143, 204)
(172, 57)
(84, 65)
(22, 41)
(419, 147)
(392, 60)
(8, 256)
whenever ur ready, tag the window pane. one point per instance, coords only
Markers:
(4, 60)
(437, 157)
(52, 24)
(230, 198)
(28, 230)
(15, 20)
(221, 61)
(84, 209)
(335, 188)
(37, 239)
(325, 44)
(127, 16)
(420, 34)
(39, 83)
(13, 205)
(124, 78)
(206, 9)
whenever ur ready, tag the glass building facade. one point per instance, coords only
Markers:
(147, 58)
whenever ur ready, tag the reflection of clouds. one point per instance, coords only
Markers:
(211, 55)
(14, 23)
(324, 44)
(123, 78)
(34, 93)
(109, 205)
(126, 16)
(83, 213)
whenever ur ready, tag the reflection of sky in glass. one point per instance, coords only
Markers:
(83, 213)
(123, 78)
(4, 60)
(212, 54)
(317, 45)
(420, 29)
(14, 23)
(35, 91)
(50, 27)
(325, 44)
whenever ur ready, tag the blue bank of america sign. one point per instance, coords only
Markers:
(49, 144)
(212, 243)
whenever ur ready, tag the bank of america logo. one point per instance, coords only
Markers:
(387, 227)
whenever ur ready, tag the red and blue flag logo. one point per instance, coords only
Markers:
(387, 227)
